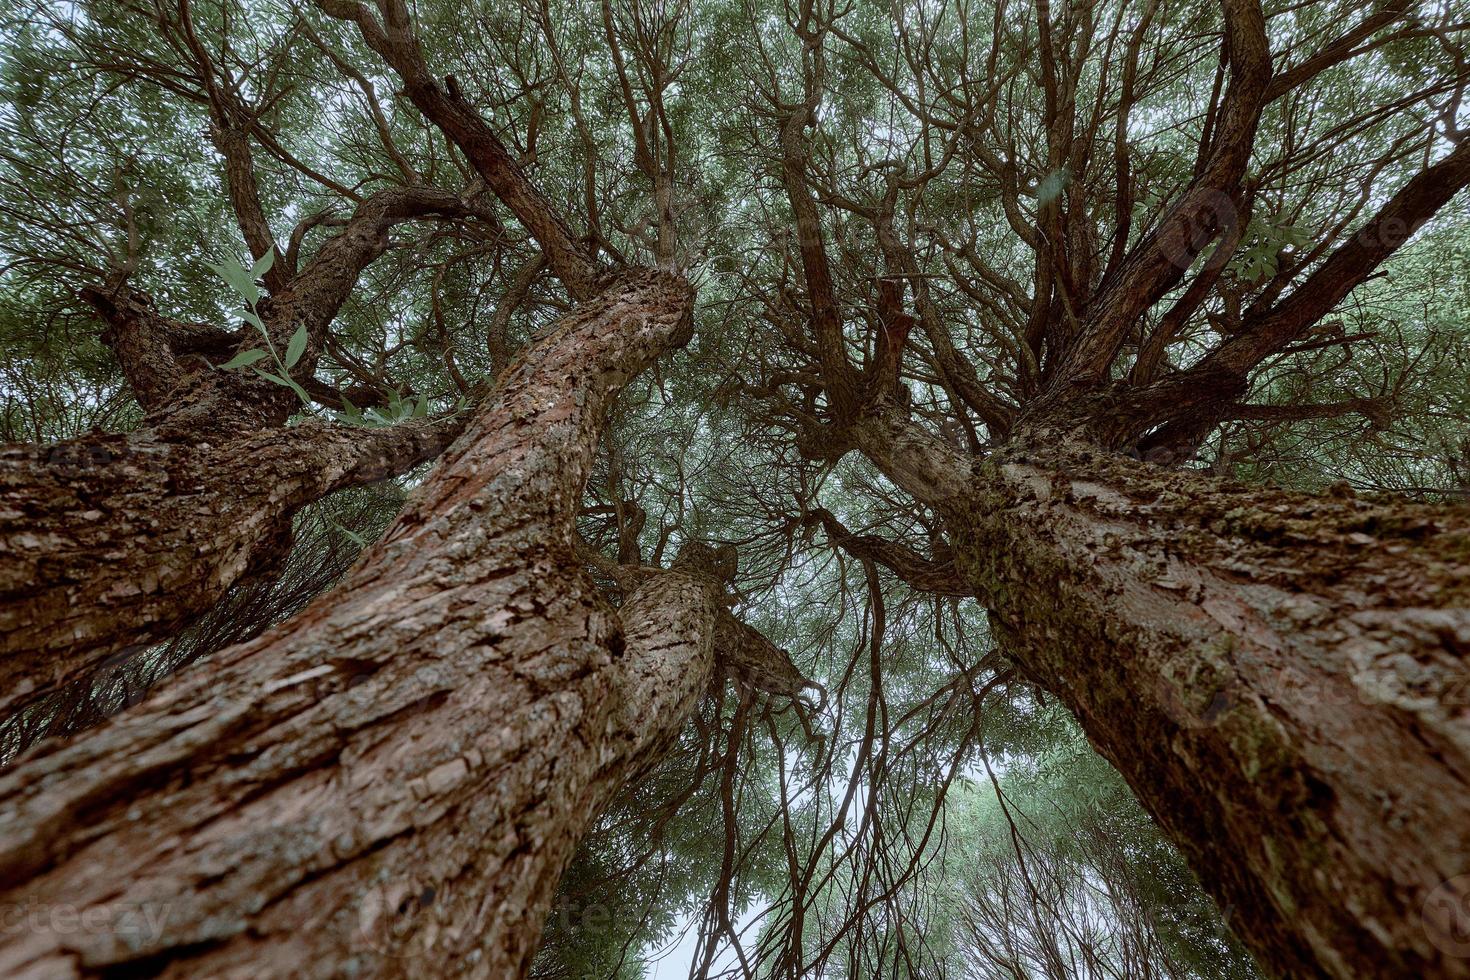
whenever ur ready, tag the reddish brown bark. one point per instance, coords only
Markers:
(1281, 678)
(406, 767)
(393, 780)
(116, 541)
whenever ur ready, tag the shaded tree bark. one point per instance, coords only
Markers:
(1281, 678)
(394, 780)
(117, 540)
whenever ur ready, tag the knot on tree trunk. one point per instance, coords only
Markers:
(717, 560)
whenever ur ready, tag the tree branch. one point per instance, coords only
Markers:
(446, 107)
(1163, 256)
(940, 577)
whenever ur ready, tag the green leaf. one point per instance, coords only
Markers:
(243, 359)
(264, 265)
(238, 279)
(296, 346)
(421, 410)
(249, 317)
(352, 536)
(285, 383)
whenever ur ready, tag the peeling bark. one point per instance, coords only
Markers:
(115, 541)
(391, 782)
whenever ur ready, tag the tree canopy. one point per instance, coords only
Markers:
(1216, 239)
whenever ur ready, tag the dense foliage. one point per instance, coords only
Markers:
(931, 813)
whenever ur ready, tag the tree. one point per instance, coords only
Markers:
(1028, 294)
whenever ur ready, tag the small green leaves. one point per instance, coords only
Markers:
(296, 346)
(350, 414)
(1259, 256)
(398, 409)
(243, 359)
(242, 281)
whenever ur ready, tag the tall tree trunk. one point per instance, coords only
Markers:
(390, 783)
(1281, 678)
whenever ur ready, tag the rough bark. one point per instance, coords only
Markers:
(1281, 678)
(114, 541)
(390, 783)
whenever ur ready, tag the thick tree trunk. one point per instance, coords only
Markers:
(1281, 678)
(115, 541)
(390, 783)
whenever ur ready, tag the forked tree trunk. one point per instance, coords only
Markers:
(390, 783)
(1281, 678)
(116, 541)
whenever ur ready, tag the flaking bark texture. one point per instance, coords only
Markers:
(1281, 678)
(391, 783)
(113, 542)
